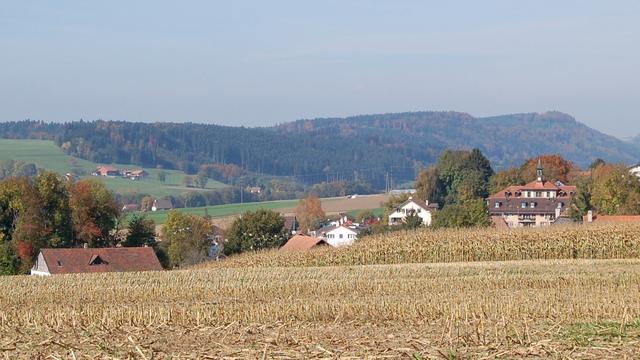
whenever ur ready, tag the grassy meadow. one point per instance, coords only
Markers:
(575, 296)
(45, 154)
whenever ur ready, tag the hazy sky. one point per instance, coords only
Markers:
(265, 62)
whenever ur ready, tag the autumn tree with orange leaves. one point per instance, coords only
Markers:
(309, 213)
(48, 211)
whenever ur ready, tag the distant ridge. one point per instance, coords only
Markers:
(364, 147)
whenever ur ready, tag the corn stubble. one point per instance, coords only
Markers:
(539, 308)
(462, 245)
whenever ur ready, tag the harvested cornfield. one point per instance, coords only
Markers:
(462, 245)
(541, 309)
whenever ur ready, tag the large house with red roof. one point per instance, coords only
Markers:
(536, 204)
(98, 260)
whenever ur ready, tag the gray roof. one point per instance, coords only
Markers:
(163, 204)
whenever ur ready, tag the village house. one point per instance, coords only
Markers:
(106, 170)
(635, 170)
(254, 190)
(216, 247)
(301, 242)
(290, 224)
(536, 204)
(161, 204)
(130, 207)
(606, 219)
(135, 174)
(416, 207)
(342, 235)
(98, 260)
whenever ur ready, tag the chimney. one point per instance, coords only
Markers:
(590, 216)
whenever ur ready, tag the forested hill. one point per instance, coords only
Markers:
(365, 146)
(506, 140)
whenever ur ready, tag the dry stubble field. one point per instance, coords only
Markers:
(572, 308)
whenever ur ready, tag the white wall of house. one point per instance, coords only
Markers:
(635, 170)
(40, 267)
(341, 236)
(398, 216)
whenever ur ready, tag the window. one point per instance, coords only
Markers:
(533, 205)
(340, 236)
(523, 205)
(498, 204)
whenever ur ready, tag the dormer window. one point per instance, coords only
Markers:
(523, 205)
(533, 205)
(498, 204)
(97, 260)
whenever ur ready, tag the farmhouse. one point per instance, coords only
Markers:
(536, 204)
(75, 261)
(107, 171)
(135, 174)
(342, 235)
(301, 242)
(254, 190)
(130, 207)
(413, 206)
(161, 204)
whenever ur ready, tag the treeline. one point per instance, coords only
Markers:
(9, 168)
(48, 211)
(189, 146)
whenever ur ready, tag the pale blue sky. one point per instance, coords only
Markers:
(266, 62)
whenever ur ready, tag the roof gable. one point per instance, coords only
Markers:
(302, 242)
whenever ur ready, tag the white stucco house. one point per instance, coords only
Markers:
(635, 170)
(413, 206)
(341, 235)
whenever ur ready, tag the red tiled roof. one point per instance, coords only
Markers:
(534, 185)
(616, 218)
(540, 185)
(499, 223)
(301, 242)
(97, 260)
(106, 168)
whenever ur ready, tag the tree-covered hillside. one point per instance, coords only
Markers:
(506, 140)
(365, 147)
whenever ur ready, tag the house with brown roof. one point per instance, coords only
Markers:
(536, 204)
(161, 204)
(130, 207)
(98, 260)
(606, 219)
(413, 206)
(135, 174)
(107, 170)
(301, 242)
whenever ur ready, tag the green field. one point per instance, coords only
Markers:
(46, 155)
(225, 210)
(219, 211)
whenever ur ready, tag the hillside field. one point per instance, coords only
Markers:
(46, 155)
(329, 205)
(564, 302)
